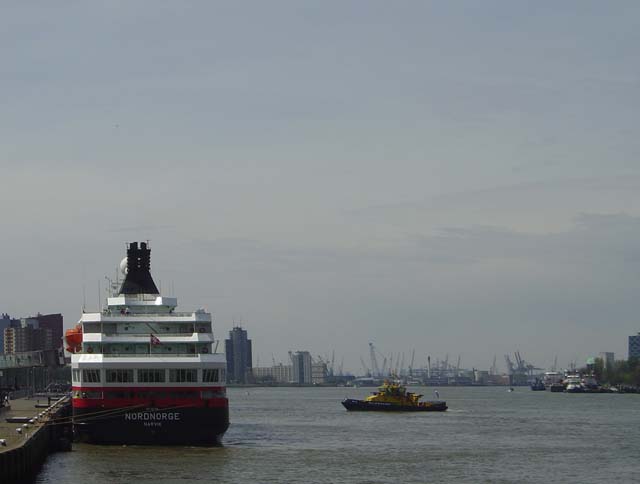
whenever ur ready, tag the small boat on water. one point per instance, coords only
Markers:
(573, 384)
(538, 385)
(393, 397)
(556, 387)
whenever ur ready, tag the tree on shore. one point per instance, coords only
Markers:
(622, 372)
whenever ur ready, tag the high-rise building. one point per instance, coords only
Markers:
(319, 373)
(26, 335)
(238, 351)
(302, 371)
(634, 346)
(607, 358)
(5, 322)
(54, 322)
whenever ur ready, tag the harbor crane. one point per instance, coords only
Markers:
(510, 366)
(374, 361)
(494, 369)
(333, 360)
(367, 372)
(413, 357)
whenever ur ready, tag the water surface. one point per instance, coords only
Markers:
(291, 435)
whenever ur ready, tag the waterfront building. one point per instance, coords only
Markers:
(5, 322)
(634, 346)
(480, 377)
(607, 358)
(319, 373)
(26, 335)
(302, 371)
(238, 352)
(55, 323)
(273, 374)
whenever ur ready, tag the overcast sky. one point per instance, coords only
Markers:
(450, 177)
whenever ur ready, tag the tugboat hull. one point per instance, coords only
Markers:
(361, 405)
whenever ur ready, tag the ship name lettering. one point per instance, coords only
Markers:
(152, 416)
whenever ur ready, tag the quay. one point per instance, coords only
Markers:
(31, 429)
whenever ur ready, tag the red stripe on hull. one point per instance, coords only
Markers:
(160, 397)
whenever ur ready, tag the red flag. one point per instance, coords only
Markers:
(154, 340)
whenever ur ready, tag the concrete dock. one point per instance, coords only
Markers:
(43, 430)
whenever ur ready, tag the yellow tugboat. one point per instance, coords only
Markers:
(394, 397)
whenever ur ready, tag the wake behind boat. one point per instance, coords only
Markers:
(392, 397)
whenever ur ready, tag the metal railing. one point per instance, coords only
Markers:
(131, 314)
(147, 333)
(22, 359)
(149, 355)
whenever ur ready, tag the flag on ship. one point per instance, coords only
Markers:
(154, 340)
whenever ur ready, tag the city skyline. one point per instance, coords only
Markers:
(456, 178)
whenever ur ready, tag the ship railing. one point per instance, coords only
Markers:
(147, 355)
(131, 314)
(157, 333)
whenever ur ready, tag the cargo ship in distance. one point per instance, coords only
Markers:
(143, 373)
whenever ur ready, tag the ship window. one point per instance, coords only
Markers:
(119, 376)
(181, 375)
(210, 375)
(76, 376)
(91, 376)
(151, 376)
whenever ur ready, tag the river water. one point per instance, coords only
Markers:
(293, 435)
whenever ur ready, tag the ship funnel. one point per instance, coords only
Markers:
(138, 279)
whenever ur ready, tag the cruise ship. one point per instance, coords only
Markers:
(144, 373)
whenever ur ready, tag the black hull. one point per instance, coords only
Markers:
(361, 405)
(181, 426)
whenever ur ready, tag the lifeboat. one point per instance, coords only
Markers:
(73, 337)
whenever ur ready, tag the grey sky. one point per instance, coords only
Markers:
(454, 177)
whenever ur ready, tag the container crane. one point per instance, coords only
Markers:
(413, 357)
(374, 361)
(367, 372)
(494, 368)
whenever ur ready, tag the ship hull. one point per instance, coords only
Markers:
(361, 405)
(151, 426)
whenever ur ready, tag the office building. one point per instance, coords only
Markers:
(273, 374)
(55, 323)
(319, 373)
(238, 352)
(607, 358)
(634, 346)
(302, 370)
(26, 335)
(5, 322)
